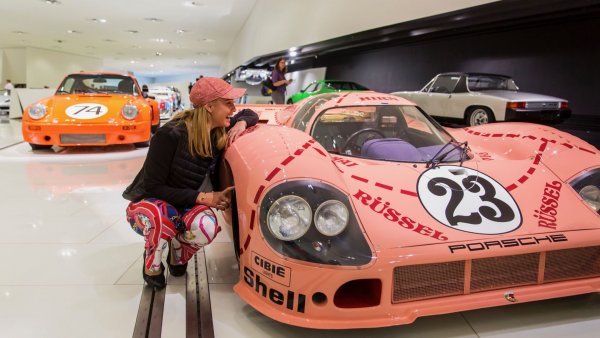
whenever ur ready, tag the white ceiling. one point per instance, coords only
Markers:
(209, 28)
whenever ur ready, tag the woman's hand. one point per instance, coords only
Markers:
(236, 131)
(216, 199)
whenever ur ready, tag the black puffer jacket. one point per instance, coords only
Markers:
(170, 172)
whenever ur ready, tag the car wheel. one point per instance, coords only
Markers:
(478, 116)
(153, 129)
(235, 225)
(40, 146)
(289, 101)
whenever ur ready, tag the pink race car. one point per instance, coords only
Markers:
(357, 210)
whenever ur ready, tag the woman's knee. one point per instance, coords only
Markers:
(202, 225)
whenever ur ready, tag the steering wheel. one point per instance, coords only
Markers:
(350, 141)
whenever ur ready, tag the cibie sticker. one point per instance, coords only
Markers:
(468, 200)
(86, 111)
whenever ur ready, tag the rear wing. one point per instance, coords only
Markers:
(273, 114)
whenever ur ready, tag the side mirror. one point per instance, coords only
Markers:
(145, 95)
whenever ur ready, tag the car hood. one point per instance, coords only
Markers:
(519, 96)
(396, 207)
(59, 104)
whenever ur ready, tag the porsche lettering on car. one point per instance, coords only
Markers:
(478, 98)
(91, 109)
(385, 216)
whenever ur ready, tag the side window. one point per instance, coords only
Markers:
(444, 84)
(305, 113)
(67, 86)
(317, 87)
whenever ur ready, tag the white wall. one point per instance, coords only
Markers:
(14, 65)
(48, 68)
(276, 25)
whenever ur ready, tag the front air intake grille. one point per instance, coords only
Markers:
(506, 271)
(572, 264)
(416, 282)
(428, 281)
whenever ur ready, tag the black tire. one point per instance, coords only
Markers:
(235, 226)
(289, 101)
(153, 129)
(479, 115)
(40, 146)
(142, 144)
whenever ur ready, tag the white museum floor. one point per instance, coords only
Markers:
(72, 266)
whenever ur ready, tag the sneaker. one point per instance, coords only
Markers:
(156, 281)
(175, 270)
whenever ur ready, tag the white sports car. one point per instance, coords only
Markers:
(478, 98)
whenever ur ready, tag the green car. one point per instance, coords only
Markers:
(325, 86)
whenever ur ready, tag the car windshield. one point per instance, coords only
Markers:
(97, 84)
(389, 133)
(490, 82)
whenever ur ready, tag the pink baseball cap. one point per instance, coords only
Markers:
(208, 89)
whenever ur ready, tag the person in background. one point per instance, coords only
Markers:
(170, 204)
(279, 81)
(9, 86)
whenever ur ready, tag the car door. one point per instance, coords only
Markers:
(436, 99)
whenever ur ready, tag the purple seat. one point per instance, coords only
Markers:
(392, 149)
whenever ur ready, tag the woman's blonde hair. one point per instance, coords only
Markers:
(197, 122)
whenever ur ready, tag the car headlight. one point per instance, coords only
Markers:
(37, 111)
(591, 196)
(129, 111)
(332, 237)
(289, 218)
(331, 217)
(587, 185)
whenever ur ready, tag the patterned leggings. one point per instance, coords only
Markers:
(160, 223)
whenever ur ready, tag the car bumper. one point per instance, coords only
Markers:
(85, 134)
(537, 115)
(486, 278)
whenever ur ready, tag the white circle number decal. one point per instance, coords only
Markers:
(467, 200)
(86, 111)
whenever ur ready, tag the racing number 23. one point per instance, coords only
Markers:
(477, 185)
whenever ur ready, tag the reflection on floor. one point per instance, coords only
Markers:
(71, 264)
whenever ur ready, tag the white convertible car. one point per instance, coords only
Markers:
(478, 98)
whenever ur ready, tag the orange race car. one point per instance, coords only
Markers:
(90, 109)
(355, 210)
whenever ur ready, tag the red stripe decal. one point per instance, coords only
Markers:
(523, 179)
(477, 133)
(360, 179)
(287, 160)
(306, 145)
(311, 141)
(531, 170)
(409, 193)
(530, 136)
(341, 98)
(384, 186)
(538, 158)
(497, 135)
(241, 251)
(589, 151)
(252, 216)
(567, 145)
(319, 151)
(511, 187)
(298, 152)
(260, 190)
(247, 242)
(273, 173)
(543, 146)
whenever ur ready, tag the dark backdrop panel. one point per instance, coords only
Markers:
(559, 59)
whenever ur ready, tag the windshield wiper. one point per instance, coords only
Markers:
(439, 156)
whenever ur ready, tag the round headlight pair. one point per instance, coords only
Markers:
(289, 217)
(37, 111)
(129, 111)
